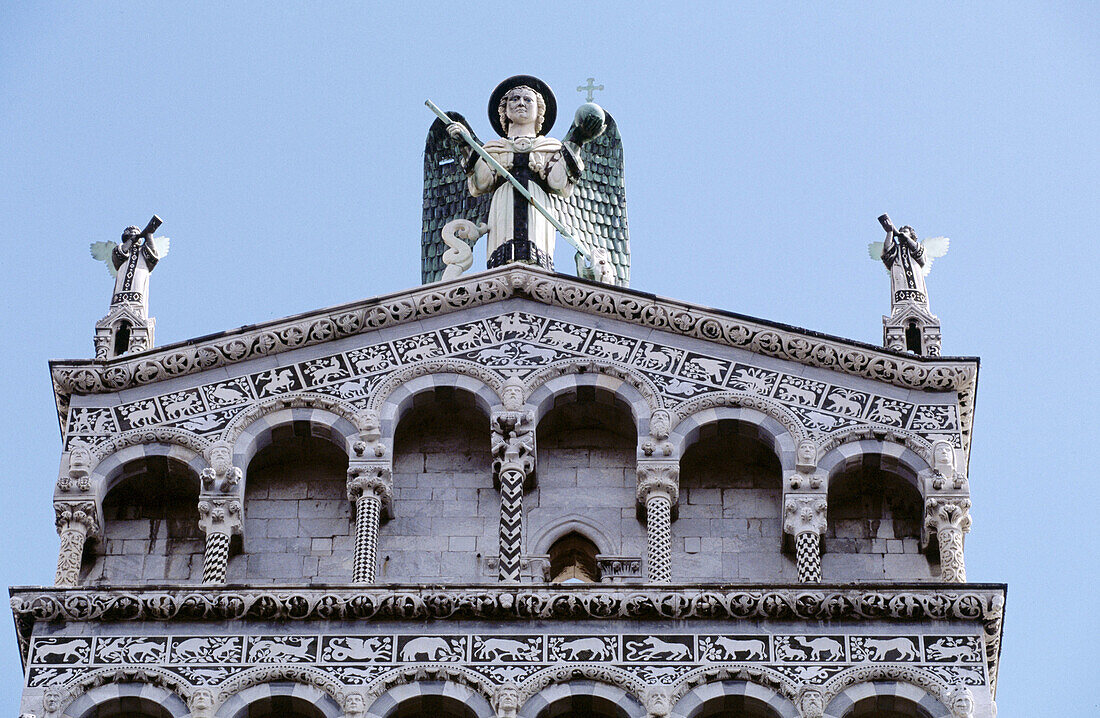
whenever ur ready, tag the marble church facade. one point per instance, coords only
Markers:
(515, 493)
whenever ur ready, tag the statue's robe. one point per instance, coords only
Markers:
(518, 231)
(133, 264)
(906, 272)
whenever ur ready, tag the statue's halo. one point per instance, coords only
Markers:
(535, 84)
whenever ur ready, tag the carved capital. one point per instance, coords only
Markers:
(370, 479)
(80, 515)
(221, 475)
(943, 513)
(658, 478)
(513, 441)
(804, 513)
(220, 516)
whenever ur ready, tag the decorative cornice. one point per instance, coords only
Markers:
(971, 602)
(754, 335)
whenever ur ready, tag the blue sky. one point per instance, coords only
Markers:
(281, 143)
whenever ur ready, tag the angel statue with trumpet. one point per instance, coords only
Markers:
(911, 324)
(127, 326)
(523, 189)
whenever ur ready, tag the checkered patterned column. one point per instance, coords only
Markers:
(658, 513)
(220, 518)
(808, 557)
(511, 522)
(370, 486)
(216, 560)
(368, 507)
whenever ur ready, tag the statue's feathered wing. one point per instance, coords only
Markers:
(445, 195)
(934, 248)
(101, 251)
(596, 210)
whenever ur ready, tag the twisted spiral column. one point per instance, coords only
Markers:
(658, 489)
(369, 487)
(75, 522)
(511, 521)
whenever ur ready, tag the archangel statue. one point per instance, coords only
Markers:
(127, 326)
(579, 180)
(911, 324)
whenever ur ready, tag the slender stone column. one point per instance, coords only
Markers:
(513, 447)
(221, 515)
(658, 490)
(76, 523)
(220, 519)
(949, 518)
(804, 518)
(370, 487)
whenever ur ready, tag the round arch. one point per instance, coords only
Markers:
(898, 698)
(733, 695)
(561, 698)
(765, 427)
(462, 699)
(892, 457)
(129, 698)
(277, 697)
(254, 433)
(628, 386)
(393, 401)
(108, 472)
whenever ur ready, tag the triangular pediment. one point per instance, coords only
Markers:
(519, 321)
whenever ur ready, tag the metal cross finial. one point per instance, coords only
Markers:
(589, 88)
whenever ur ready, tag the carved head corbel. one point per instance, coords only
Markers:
(506, 700)
(656, 700)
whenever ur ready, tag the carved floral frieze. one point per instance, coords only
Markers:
(521, 344)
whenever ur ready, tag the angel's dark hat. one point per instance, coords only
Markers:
(535, 84)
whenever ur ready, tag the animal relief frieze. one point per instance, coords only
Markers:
(664, 648)
(431, 648)
(734, 648)
(206, 649)
(282, 649)
(507, 649)
(818, 649)
(587, 648)
(884, 648)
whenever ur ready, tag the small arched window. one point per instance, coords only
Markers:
(573, 560)
(122, 338)
(912, 337)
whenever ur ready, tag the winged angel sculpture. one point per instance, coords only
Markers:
(502, 188)
(131, 261)
(908, 261)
